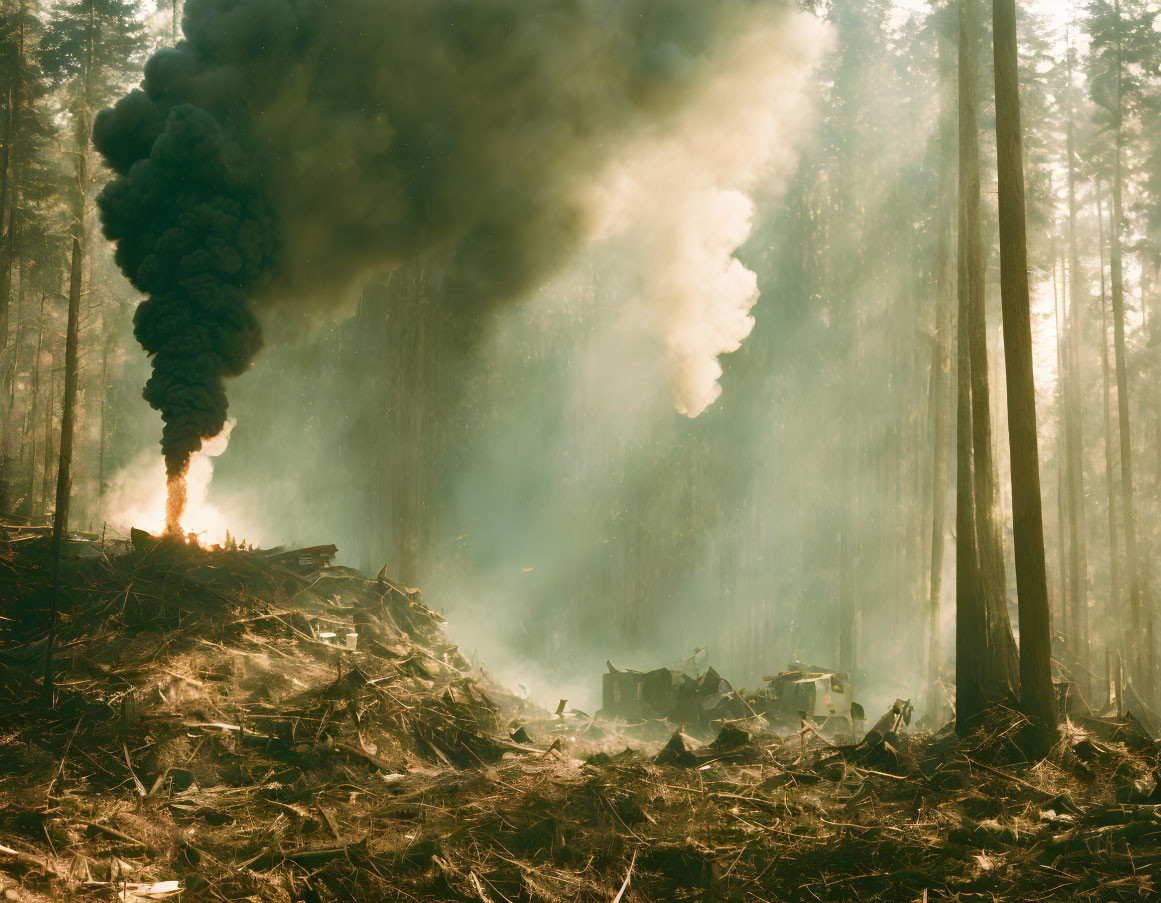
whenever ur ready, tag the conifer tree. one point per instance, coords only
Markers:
(1123, 45)
(90, 49)
(25, 181)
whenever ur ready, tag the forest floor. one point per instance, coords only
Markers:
(206, 743)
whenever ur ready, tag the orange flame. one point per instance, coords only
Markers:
(176, 493)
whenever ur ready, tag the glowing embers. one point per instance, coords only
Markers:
(144, 496)
(178, 506)
(176, 494)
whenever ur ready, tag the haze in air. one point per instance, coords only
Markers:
(496, 450)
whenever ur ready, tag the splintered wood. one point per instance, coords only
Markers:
(207, 741)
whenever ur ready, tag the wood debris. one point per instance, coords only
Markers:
(205, 742)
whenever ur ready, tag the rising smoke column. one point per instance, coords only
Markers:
(286, 150)
(193, 237)
(679, 199)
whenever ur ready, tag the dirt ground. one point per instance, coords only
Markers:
(208, 739)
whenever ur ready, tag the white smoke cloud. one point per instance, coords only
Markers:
(679, 202)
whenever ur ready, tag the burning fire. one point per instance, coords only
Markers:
(176, 498)
(139, 496)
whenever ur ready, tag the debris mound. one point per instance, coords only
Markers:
(243, 725)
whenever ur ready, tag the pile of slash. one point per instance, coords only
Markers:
(213, 736)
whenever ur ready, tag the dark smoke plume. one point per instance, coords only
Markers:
(285, 150)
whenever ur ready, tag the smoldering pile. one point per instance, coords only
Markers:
(216, 735)
(284, 152)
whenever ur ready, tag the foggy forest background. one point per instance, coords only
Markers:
(532, 475)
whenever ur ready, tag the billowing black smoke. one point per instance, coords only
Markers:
(287, 149)
(196, 239)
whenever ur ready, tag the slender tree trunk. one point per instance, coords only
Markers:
(12, 435)
(104, 421)
(1074, 425)
(1116, 269)
(28, 431)
(1061, 451)
(1114, 611)
(12, 101)
(8, 258)
(991, 554)
(46, 476)
(8, 174)
(999, 667)
(940, 378)
(971, 638)
(68, 405)
(971, 634)
(940, 403)
(64, 479)
(1036, 691)
(1157, 450)
(8, 253)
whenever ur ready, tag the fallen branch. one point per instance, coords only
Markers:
(628, 877)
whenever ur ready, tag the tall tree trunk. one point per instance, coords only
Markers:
(971, 637)
(12, 435)
(1036, 693)
(28, 435)
(8, 253)
(46, 481)
(12, 100)
(940, 378)
(1074, 424)
(8, 258)
(1116, 271)
(104, 421)
(940, 404)
(64, 480)
(15, 95)
(1061, 450)
(999, 666)
(1114, 612)
(971, 633)
(64, 476)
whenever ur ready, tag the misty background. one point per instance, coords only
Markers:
(537, 477)
(538, 481)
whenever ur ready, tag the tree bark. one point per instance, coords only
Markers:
(104, 419)
(1074, 423)
(971, 635)
(46, 481)
(29, 435)
(940, 379)
(8, 192)
(8, 180)
(1117, 278)
(971, 638)
(6, 185)
(64, 478)
(68, 406)
(1114, 612)
(1036, 691)
(999, 666)
(1061, 450)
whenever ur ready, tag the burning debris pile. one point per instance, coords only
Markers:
(260, 725)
